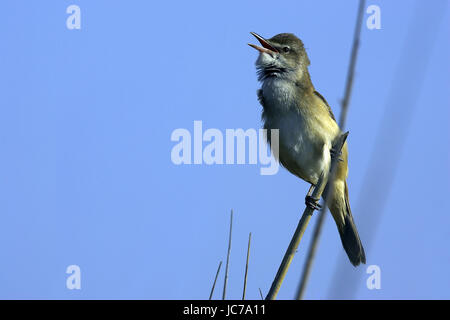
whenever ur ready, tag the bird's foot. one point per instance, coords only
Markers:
(312, 203)
(334, 154)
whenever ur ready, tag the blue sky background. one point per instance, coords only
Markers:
(86, 176)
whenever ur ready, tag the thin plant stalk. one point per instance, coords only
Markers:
(215, 280)
(303, 223)
(246, 265)
(228, 258)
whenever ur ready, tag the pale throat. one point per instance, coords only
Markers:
(279, 93)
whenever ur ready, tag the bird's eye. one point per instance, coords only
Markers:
(286, 49)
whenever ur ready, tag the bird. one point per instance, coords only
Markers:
(307, 129)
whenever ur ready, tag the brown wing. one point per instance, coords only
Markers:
(326, 103)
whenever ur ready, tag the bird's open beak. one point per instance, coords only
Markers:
(266, 47)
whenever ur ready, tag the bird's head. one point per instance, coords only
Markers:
(282, 56)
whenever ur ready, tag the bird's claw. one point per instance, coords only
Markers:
(312, 203)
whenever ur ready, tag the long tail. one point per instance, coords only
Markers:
(342, 214)
(351, 241)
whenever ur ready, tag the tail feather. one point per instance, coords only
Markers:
(351, 241)
(340, 209)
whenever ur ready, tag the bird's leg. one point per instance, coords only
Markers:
(310, 201)
(335, 154)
